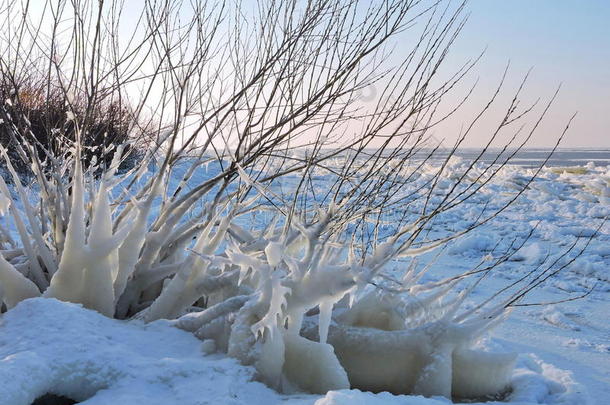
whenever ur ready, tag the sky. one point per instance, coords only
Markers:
(566, 42)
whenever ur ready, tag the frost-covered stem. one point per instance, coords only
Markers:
(37, 273)
(41, 246)
(193, 321)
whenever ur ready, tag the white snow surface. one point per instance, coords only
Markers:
(48, 346)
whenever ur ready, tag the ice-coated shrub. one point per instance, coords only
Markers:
(257, 221)
(270, 297)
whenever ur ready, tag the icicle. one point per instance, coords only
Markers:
(5, 203)
(14, 284)
(67, 283)
(326, 311)
(98, 291)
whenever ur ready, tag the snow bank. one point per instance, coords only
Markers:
(48, 346)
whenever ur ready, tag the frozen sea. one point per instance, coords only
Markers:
(530, 158)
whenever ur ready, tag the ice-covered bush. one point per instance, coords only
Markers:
(271, 296)
(255, 222)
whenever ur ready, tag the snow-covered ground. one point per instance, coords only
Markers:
(49, 346)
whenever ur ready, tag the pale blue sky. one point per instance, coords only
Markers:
(565, 41)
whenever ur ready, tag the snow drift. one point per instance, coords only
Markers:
(48, 346)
